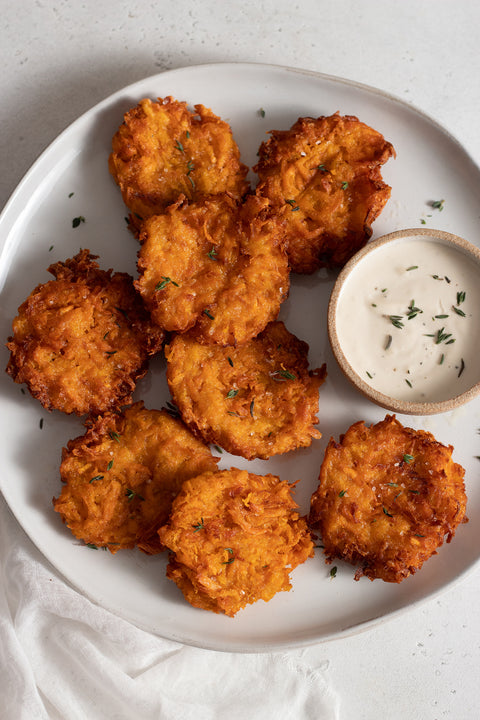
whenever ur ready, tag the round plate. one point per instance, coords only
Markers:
(71, 179)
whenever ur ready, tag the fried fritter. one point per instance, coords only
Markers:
(235, 537)
(214, 266)
(123, 474)
(387, 498)
(255, 400)
(81, 342)
(323, 175)
(163, 150)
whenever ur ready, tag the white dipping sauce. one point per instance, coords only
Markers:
(407, 319)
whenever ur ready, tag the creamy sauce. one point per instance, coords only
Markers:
(408, 320)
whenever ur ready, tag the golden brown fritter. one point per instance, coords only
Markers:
(387, 498)
(255, 400)
(163, 150)
(235, 537)
(215, 267)
(123, 474)
(323, 175)
(81, 342)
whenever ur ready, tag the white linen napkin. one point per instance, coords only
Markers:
(64, 658)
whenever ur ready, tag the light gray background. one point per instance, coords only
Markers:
(60, 58)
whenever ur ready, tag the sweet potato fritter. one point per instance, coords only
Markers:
(81, 342)
(388, 496)
(255, 400)
(122, 475)
(163, 150)
(235, 537)
(323, 175)
(214, 266)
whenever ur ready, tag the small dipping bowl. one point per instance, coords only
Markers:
(404, 321)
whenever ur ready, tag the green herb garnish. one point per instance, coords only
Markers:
(232, 393)
(413, 311)
(172, 410)
(230, 560)
(130, 494)
(408, 458)
(164, 282)
(286, 374)
(396, 320)
(77, 220)
(199, 526)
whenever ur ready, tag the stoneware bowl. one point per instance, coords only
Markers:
(404, 321)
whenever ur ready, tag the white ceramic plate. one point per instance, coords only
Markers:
(36, 230)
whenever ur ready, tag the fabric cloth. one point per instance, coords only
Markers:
(63, 657)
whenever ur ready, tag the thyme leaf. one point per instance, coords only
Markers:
(164, 282)
(130, 494)
(396, 321)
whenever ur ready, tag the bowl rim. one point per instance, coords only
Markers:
(405, 407)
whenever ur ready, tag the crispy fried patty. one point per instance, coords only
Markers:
(122, 475)
(234, 537)
(256, 400)
(163, 150)
(215, 267)
(323, 176)
(387, 498)
(81, 342)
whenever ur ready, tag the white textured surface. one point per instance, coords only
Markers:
(60, 58)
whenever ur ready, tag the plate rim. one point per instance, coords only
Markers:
(7, 223)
